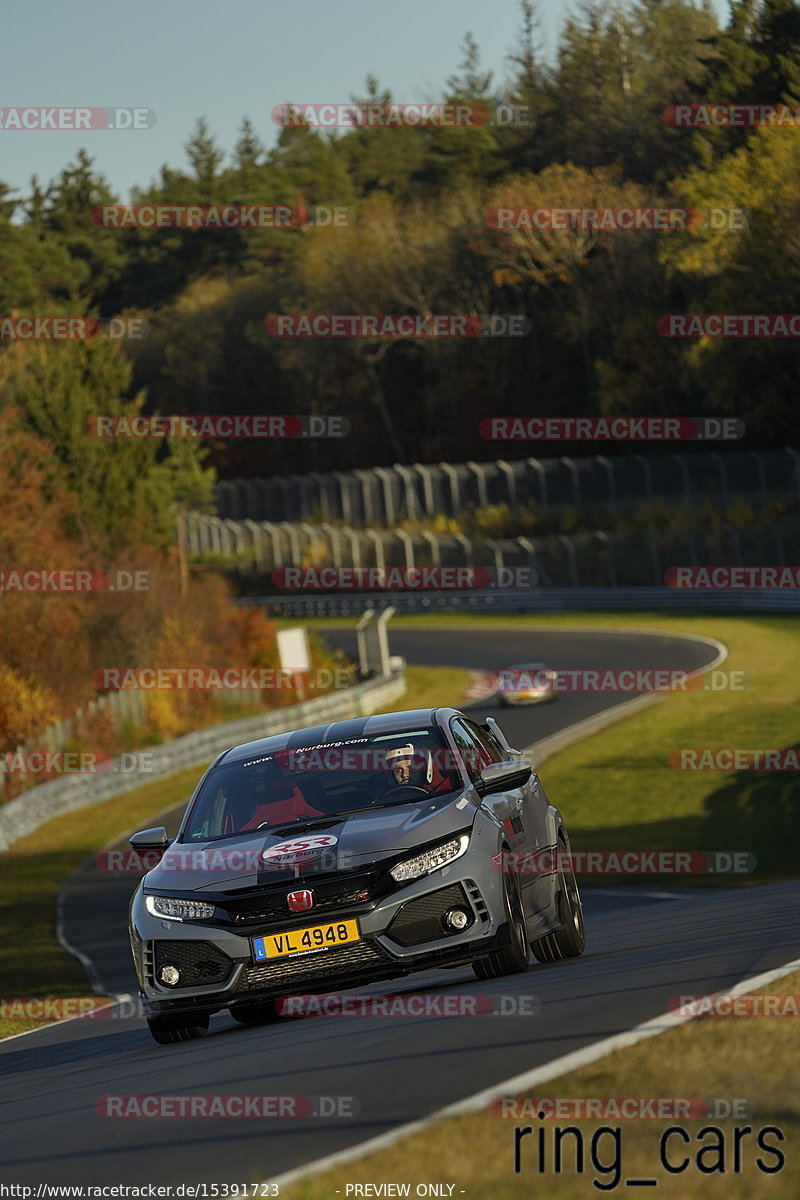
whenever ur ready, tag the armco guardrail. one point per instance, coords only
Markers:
(534, 600)
(27, 812)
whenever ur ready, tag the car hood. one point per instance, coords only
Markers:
(343, 843)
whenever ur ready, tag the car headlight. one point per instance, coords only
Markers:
(430, 860)
(178, 910)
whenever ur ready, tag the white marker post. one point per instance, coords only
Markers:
(293, 651)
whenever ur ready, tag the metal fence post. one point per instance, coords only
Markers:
(383, 640)
(367, 505)
(480, 475)
(384, 474)
(333, 535)
(573, 565)
(433, 541)
(455, 489)
(408, 546)
(511, 482)
(355, 545)
(612, 483)
(427, 488)
(361, 639)
(412, 503)
(648, 477)
(540, 471)
(576, 484)
(377, 540)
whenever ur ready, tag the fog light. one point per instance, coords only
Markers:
(456, 918)
(169, 975)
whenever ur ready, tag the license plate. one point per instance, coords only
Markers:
(303, 941)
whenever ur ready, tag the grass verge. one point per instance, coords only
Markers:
(32, 963)
(704, 1059)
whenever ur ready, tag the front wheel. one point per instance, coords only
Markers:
(569, 941)
(513, 958)
(166, 1030)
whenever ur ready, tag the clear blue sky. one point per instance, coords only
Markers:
(222, 60)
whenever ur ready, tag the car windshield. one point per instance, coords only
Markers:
(317, 783)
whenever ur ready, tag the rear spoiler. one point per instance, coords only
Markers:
(494, 728)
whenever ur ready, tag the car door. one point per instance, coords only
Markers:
(529, 824)
(506, 806)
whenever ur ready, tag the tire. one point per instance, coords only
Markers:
(166, 1030)
(256, 1013)
(569, 941)
(514, 958)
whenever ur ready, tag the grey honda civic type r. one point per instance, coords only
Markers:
(346, 853)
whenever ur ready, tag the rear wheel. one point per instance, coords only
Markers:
(569, 941)
(166, 1030)
(514, 957)
(256, 1013)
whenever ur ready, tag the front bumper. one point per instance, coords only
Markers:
(401, 933)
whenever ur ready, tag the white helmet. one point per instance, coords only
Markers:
(420, 764)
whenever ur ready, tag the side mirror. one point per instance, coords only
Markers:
(498, 777)
(151, 839)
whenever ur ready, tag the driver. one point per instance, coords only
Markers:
(407, 767)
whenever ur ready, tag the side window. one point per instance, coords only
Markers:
(488, 741)
(474, 754)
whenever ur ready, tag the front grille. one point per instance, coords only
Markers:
(343, 961)
(198, 962)
(421, 920)
(329, 895)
